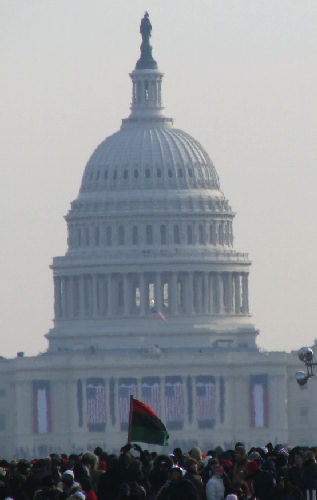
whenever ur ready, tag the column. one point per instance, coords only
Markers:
(206, 293)
(142, 294)
(229, 292)
(219, 293)
(71, 296)
(199, 292)
(173, 293)
(237, 293)
(58, 297)
(158, 292)
(94, 305)
(109, 295)
(81, 292)
(190, 294)
(245, 293)
(126, 295)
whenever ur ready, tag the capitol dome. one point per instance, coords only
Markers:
(150, 233)
(149, 156)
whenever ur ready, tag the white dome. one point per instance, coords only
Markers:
(149, 155)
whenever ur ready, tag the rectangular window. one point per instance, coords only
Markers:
(149, 235)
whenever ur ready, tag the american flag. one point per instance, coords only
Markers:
(127, 387)
(258, 401)
(96, 404)
(151, 393)
(174, 400)
(205, 399)
(157, 315)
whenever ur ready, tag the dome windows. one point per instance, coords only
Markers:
(147, 173)
(176, 234)
(190, 235)
(135, 235)
(136, 173)
(125, 174)
(149, 235)
(121, 235)
(159, 173)
(163, 234)
(109, 236)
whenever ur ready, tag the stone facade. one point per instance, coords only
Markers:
(151, 298)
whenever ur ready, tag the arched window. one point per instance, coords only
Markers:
(126, 174)
(163, 234)
(121, 235)
(135, 236)
(109, 236)
(176, 234)
(190, 239)
(149, 235)
(159, 172)
(97, 236)
(136, 173)
(115, 174)
(201, 234)
(147, 173)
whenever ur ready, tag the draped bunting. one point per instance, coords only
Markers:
(41, 406)
(151, 393)
(174, 402)
(96, 405)
(127, 387)
(205, 401)
(258, 401)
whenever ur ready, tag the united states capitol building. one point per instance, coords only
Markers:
(151, 299)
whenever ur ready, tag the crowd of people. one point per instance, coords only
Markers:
(264, 473)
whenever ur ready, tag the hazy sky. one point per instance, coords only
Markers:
(240, 76)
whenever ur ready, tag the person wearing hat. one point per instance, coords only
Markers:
(48, 489)
(215, 488)
(191, 466)
(69, 485)
(177, 487)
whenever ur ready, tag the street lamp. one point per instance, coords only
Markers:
(306, 355)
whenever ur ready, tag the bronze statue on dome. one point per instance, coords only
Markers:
(146, 60)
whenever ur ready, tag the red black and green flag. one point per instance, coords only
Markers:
(144, 424)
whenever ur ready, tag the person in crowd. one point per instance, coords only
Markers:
(48, 490)
(191, 467)
(70, 487)
(215, 488)
(177, 487)
(159, 474)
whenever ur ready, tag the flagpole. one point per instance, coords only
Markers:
(130, 418)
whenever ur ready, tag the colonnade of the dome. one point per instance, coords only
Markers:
(143, 293)
(158, 234)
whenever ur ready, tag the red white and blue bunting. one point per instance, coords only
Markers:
(41, 407)
(259, 401)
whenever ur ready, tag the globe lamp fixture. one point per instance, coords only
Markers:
(306, 355)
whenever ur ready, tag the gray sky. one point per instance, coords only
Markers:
(240, 76)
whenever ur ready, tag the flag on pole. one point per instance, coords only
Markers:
(157, 315)
(144, 424)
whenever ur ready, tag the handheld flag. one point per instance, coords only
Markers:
(144, 424)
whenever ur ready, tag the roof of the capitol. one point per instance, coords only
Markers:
(149, 152)
(149, 156)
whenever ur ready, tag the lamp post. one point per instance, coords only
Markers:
(306, 355)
